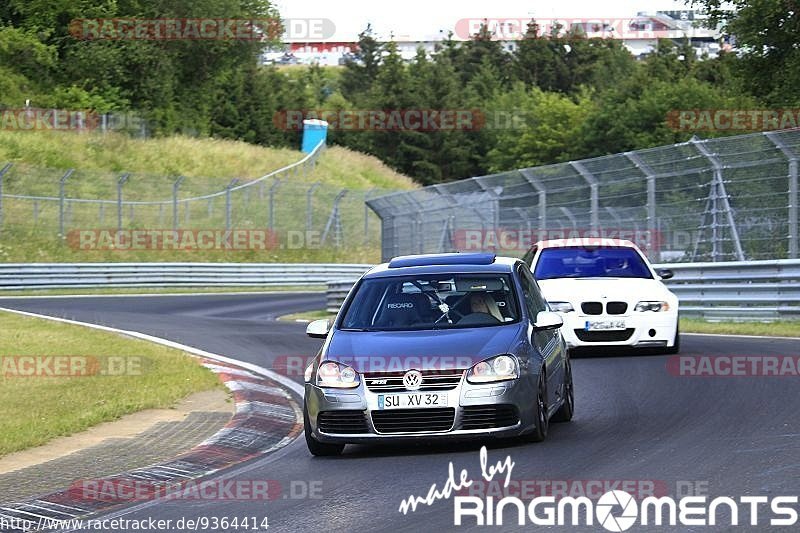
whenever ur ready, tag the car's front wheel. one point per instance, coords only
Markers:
(320, 449)
(539, 432)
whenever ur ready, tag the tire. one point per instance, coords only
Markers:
(676, 347)
(317, 448)
(539, 433)
(567, 409)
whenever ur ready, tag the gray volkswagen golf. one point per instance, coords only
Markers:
(440, 346)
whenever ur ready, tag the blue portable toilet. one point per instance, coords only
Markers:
(315, 131)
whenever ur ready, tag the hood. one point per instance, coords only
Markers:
(421, 350)
(629, 290)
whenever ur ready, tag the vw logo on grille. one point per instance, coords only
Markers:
(412, 380)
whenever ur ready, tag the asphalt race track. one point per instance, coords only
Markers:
(634, 420)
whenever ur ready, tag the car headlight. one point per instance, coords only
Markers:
(330, 374)
(561, 307)
(500, 368)
(652, 306)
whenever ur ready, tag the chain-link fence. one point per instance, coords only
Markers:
(288, 204)
(731, 198)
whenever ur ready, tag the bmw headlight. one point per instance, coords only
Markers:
(652, 306)
(500, 368)
(561, 307)
(336, 375)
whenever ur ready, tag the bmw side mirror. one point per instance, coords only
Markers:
(548, 320)
(665, 273)
(318, 329)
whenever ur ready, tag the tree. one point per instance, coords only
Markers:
(544, 131)
(362, 68)
(636, 113)
(766, 33)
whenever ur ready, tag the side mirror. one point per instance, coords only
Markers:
(548, 320)
(318, 329)
(665, 273)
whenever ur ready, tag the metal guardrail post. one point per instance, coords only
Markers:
(594, 191)
(175, 186)
(334, 221)
(3, 171)
(650, 176)
(61, 186)
(120, 182)
(794, 195)
(272, 188)
(572, 220)
(541, 191)
(228, 206)
(309, 211)
(366, 215)
(719, 184)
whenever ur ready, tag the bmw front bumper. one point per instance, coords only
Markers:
(641, 330)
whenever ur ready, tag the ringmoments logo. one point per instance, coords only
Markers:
(615, 510)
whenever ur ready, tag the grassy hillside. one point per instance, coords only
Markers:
(30, 228)
(205, 161)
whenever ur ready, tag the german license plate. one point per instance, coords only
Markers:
(417, 400)
(604, 325)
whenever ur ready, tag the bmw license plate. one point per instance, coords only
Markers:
(604, 325)
(417, 400)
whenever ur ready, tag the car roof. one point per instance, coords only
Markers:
(442, 264)
(595, 242)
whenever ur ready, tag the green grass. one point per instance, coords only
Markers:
(308, 315)
(208, 164)
(30, 228)
(786, 328)
(35, 410)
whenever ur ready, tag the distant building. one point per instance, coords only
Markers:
(639, 34)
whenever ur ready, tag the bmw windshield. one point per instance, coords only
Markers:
(578, 262)
(431, 302)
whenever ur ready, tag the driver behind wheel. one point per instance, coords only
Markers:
(480, 302)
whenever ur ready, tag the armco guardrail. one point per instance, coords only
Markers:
(118, 275)
(336, 293)
(740, 290)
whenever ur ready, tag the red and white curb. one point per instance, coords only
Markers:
(266, 419)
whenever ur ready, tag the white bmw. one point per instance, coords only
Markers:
(607, 293)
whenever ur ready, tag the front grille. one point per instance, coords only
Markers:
(413, 420)
(616, 308)
(604, 336)
(488, 416)
(432, 380)
(342, 422)
(592, 308)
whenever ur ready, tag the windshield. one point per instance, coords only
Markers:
(432, 302)
(577, 262)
